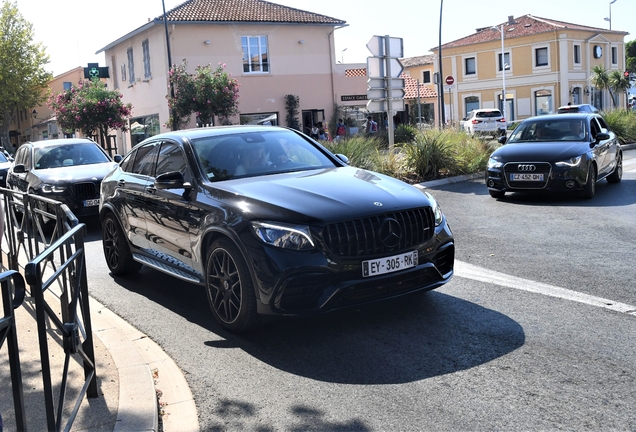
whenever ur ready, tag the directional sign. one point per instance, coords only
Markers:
(383, 105)
(380, 93)
(394, 83)
(377, 46)
(376, 67)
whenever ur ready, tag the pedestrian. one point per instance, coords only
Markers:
(314, 132)
(341, 130)
(372, 126)
(321, 131)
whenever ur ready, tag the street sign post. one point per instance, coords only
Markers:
(385, 89)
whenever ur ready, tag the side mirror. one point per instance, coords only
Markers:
(171, 180)
(19, 169)
(502, 139)
(602, 136)
(343, 158)
(117, 158)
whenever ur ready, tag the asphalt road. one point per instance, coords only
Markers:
(534, 332)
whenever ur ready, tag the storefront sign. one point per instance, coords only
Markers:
(345, 98)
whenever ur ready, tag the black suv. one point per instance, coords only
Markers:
(270, 222)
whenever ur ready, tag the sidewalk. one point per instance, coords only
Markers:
(132, 371)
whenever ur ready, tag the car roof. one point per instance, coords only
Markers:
(61, 141)
(195, 133)
(486, 110)
(552, 117)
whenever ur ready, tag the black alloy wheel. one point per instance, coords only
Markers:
(617, 174)
(230, 288)
(116, 250)
(589, 190)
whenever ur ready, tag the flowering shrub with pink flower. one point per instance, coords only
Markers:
(90, 107)
(207, 93)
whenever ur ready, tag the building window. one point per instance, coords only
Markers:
(123, 72)
(543, 102)
(67, 85)
(506, 61)
(113, 61)
(426, 77)
(541, 56)
(614, 55)
(577, 54)
(131, 67)
(255, 54)
(146, 53)
(472, 103)
(470, 68)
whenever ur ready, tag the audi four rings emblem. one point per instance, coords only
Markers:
(526, 167)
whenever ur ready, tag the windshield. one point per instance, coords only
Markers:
(68, 155)
(257, 153)
(539, 130)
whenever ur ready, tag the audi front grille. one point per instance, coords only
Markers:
(527, 168)
(362, 237)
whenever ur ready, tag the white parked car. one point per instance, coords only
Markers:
(485, 121)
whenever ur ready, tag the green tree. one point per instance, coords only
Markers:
(619, 83)
(23, 80)
(292, 102)
(207, 93)
(91, 108)
(630, 56)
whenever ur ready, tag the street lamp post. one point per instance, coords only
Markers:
(342, 56)
(610, 14)
(503, 69)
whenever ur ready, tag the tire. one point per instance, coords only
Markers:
(589, 190)
(496, 193)
(230, 288)
(116, 250)
(617, 174)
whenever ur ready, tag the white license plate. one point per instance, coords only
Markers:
(389, 264)
(91, 203)
(526, 177)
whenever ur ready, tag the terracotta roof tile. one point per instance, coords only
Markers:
(521, 26)
(244, 11)
(355, 72)
(410, 84)
(418, 61)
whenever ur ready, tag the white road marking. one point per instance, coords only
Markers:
(470, 271)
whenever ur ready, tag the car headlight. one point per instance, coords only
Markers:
(437, 210)
(494, 163)
(575, 161)
(284, 236)
(49, 188)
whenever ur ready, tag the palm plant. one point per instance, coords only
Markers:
(619, 83)
(600, 80)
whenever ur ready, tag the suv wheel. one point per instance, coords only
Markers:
(116, 250)
(230, 288)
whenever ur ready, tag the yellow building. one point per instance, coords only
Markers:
(546, 64)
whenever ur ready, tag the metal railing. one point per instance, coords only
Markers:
(47, 236)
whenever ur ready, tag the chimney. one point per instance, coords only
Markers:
(511, 19)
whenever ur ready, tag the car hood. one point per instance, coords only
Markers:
(76, 174)
(320, 195)
(542, 151)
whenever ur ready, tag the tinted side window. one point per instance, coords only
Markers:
(594, 127)
(171, 158)
(601, 121)
(145, 159)
(126, 164)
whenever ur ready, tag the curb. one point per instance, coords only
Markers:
(448, 180)
(146, 373)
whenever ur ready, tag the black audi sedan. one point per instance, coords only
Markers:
(270, 223)
(556, 153)
(68, 170)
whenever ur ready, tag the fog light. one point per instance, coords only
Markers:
(491, 183)
(569, 184)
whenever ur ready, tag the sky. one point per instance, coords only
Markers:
(74, 30)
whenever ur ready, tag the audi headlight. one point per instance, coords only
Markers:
(51, 188)
(575, 161)
(284, 236)
(494, 163)
(437, 210)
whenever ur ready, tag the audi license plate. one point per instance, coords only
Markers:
(389, 265)
(91, 203)
(526, 177)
